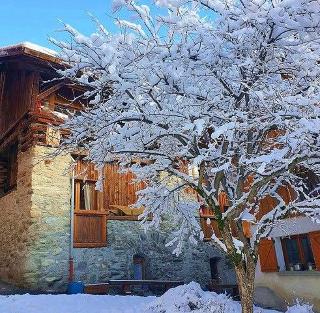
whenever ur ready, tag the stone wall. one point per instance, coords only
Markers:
(47, 263)
(15, 221)
(35, 237)
(127, 238)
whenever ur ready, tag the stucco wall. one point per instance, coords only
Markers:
(291, 286)
(15, 220)
(288, 286)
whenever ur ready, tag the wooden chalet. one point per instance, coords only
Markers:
(34, 101)
(55, 226)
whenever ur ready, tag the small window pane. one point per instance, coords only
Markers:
(214, 267)
(137, 271)
(89, 197)
(138, 267)
(292, 251)
(308, 256)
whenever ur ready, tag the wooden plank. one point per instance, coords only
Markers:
(267, 256)
(120, 191)
(97, 289)
(89, 230)
(119, 282)
(46, 93)
(77, 196)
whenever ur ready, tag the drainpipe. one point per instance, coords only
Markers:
(71, 265)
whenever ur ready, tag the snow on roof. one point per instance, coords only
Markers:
(36, 47)
(28, 48)
(246, 216)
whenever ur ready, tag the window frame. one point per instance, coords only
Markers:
(77, 197)
(85, 172)
(301, 256)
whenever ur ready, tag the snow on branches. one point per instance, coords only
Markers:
(230, 88)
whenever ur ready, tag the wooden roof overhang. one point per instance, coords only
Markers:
(40, 61)
(23, 50)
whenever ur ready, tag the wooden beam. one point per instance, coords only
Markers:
(49, 91)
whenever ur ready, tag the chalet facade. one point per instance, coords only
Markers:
(289, 261)
(54, 225)
(289, 264)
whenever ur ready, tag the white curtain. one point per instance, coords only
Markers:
(88, 190)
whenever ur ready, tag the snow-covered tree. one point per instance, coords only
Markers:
(229, 88)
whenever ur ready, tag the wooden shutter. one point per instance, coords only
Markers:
(268, 203)
(205, 214)
(208, 230)
(120, 191)
(223, 201)
(90, 226)
(287, 193)
(315, 246)
(90, 229)
(267, 256)
(265, 206)
(246, 226)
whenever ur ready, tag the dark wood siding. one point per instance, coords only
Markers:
(18, 91)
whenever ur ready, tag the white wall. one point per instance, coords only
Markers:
(291, 285)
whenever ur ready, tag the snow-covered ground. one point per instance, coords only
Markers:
(183, 299)
(72, 304)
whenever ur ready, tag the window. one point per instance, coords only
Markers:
(92, 208)
(298, 253)
(8, 168)
(87, 198)
(90, 226)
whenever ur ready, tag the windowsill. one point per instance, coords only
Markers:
(89, 245)
(299, 273)
(90, 212)
(123, 217)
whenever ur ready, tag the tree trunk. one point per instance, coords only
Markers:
(245, 280)
(244, 265)
(247, 300)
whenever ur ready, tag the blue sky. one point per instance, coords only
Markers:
(35, 20)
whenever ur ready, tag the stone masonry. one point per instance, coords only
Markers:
(47, 263)
(126, 239)
(16, 220)
(35, 237)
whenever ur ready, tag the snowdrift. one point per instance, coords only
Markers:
(191, 298)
